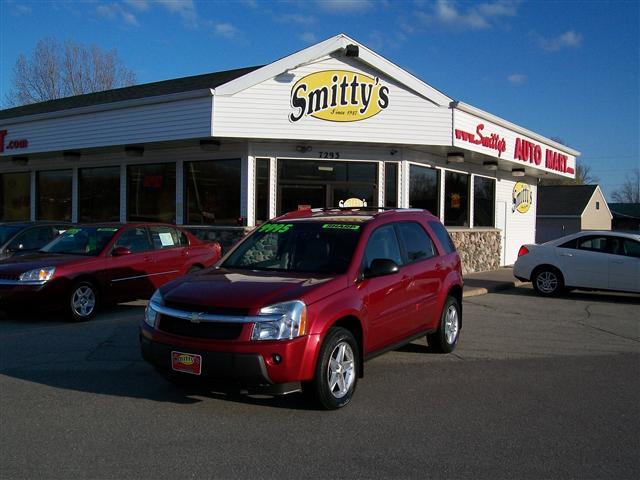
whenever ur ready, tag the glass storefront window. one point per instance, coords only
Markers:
(484, 201)
(424, 188)
(456, 199)
(262, 190)
(54, 195)
(324, 184)
(15, 196)
(212, 192)
(391, 185)
(99, 194)
(151, 193)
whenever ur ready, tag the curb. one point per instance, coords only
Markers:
(477, 291)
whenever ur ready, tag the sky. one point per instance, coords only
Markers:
(565, 69)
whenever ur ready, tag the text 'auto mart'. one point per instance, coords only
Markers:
(332, 125)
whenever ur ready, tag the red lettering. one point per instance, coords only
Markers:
(537, 154)
(3, 133)
(518, 152)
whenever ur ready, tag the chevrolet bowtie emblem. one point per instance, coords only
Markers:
(195, 317)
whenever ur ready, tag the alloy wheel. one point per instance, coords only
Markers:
(341, 370)
(83, 301)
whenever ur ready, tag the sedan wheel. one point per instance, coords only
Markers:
(548, 281)
(83, 301)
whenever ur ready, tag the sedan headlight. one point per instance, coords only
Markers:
(38, 275)
(150, 314)
(288, 320)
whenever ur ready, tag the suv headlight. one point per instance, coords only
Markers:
(150, 314)
(38, 275)
(289, 320)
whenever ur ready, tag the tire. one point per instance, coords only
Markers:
(334, 383)
(445, 339)
(82, 301)
(547, 281)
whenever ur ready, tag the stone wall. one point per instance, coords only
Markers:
(479, 249)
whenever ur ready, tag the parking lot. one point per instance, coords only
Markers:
(536, 389)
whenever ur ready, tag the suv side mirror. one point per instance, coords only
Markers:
(120, 251)
(380, 267)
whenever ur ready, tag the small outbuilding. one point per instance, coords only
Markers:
(567, 209)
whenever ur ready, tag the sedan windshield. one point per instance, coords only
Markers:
(88, 241)
(6, 232)
(310, 247)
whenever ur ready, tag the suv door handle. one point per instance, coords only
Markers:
(566, 254)
(617, 261)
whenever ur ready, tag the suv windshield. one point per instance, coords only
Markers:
(88, 241)
(310, 247)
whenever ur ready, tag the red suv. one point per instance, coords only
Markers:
(307, 297)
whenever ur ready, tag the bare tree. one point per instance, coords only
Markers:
(584, 176)
(56, 71)
(630, 190)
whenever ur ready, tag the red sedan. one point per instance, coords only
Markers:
(90, 265)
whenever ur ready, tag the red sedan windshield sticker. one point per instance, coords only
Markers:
(341, 226)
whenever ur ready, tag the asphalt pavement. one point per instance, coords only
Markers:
(536, 389)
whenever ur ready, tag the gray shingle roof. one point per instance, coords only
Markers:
(165, 87)
(564, 199)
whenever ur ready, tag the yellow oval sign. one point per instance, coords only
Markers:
(185, 359)
(338, 96)
(522, 197)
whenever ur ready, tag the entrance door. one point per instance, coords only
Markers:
(294, 197)
(501, 223)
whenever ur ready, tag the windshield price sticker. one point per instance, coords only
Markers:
(105, 229)
(275, 227)
(341, 226)
(72, 231)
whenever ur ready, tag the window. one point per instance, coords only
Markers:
(597, 205)
(424, 188)
(99, 194)
(262, 190)
(15, 196)
(484, 202)
(212, 192)
(631, 248)
(164, 237)
(54, 195)
(33, 239)
(443, 237)
(82, 241)
(391, 185)
(151, 192)
(135, 239)
(593, 244)
(416, 242)
(383, 243)
(456, 199)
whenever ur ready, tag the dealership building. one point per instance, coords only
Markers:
(332, 125)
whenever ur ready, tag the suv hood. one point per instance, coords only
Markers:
(246, 289)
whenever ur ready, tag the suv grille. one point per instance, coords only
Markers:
(9, 276)
(208, 330)
(185, 307)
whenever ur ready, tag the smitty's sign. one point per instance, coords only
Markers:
(489, 140)
(522, 197)
(338, 96)
(13, 144)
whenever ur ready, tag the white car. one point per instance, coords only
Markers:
(590, 260)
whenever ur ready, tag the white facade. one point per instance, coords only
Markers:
(271, 114)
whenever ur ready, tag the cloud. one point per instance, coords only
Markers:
(480, 16)
(139, 5)
(517, 79)
(225, 30)
(569, 39)
(341, 6)
(309, 37)
(297, 19)
(186, 9)
(114, 11)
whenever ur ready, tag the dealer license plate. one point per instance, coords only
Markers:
(186, 362)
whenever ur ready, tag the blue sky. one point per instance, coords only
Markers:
(567, 70)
